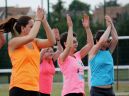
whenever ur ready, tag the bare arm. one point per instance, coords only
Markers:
(69, 42)
(102, 40)
(41, 54)
(50, 41)
(2, 40)
(22, 40)
(59, 47)
(114, 35)
(84, 51)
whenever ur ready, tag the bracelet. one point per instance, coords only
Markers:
(55, 44)
(38, 20)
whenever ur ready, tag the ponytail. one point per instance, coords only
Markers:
(14, 26)
(8, 26)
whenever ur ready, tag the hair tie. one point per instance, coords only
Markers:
(15, 31)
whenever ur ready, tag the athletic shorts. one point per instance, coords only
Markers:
(95, 91)
(42, 94)
(74, 94)
(15, 91)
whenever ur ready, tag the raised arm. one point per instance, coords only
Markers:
(50, 41)
(42, 52)
(84, 51)
(114, 35)
(2, 39)
(59, 47)
(102, 40)
(24, 39)
(69, 42)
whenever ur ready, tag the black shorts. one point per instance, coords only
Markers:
(42, 94)
(74, 94)
(95, 91)
(15, 91)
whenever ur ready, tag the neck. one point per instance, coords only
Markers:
(72, 54)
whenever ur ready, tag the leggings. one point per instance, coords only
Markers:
(74, 94)
(95, 91)
(15, 91)
(42, 94)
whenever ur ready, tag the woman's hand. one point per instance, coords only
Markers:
(40, 14)
(108, 20)
(85, 21)
(56, 33)
(69, 21)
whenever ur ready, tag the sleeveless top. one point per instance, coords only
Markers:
(25, 67)
(101, 67)
(47, 71)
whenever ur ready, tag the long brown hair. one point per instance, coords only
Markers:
(14, 25)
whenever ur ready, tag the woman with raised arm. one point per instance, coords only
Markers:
(101, 61)
(70, 61)
(24, 52)
(47, 68)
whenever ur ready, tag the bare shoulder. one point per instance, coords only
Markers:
(93, 52)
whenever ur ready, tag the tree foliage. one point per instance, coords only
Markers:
(77, 5)
(110, 3)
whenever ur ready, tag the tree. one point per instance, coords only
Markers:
(122, 26)
(58, 9)
(112, 3)
(109, 4)
(4, 57)
(77, 5)
(122, 23)
(127, 5)
(57, 19)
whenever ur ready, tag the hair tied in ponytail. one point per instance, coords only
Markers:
(15, 33)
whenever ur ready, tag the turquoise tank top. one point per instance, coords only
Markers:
(101, 66)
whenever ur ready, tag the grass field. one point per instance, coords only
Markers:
(57, 87)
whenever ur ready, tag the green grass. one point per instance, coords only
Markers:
(4, 90)
(57, 87)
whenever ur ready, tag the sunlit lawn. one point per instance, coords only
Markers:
(57, 87)
(123, 87)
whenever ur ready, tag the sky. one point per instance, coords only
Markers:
(35, 3)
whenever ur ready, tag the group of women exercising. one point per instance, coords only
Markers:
(33, 58)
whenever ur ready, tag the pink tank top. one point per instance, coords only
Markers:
(47, 71)
(73, 74)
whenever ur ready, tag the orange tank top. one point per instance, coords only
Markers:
(25, 67)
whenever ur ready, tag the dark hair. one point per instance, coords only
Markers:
(64, 38)
(99, 33)
(22, 21)
(8, 26)
(16, 24)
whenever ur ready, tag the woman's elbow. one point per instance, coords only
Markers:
(90, 45)
(52, 43)
(30, 38)
(116, 40)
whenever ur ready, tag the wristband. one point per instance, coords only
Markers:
(38, 20)
(57, 40)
